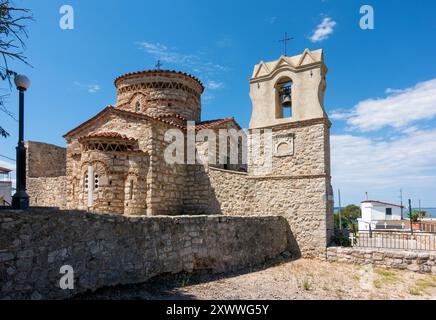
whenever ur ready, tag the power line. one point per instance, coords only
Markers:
(7, 157)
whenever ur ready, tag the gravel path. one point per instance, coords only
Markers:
(300, 279)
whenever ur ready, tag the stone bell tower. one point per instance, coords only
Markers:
(288, 107)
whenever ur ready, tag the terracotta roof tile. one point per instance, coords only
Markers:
(107, 135)
(129, 113)
(169, 118)
(212, 123)
(157, 71)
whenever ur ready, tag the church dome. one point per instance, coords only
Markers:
(160, 92)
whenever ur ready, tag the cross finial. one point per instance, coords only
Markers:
(158, 65)
(285, 42)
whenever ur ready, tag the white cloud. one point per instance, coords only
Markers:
(214, 85)
(174, 57)
(162, 53)
(364, 164)
(398, 110)
(207, 98)
(323, 30)
(91, 88)
(195, 63)
(340, 114)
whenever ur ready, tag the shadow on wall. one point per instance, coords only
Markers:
(199, 196)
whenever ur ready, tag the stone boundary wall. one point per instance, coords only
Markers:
(423, 262)
(47, 192)
(301, 200)
(108, 250)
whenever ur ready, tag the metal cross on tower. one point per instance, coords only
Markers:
(285, 42)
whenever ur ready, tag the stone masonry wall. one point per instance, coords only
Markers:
(46, 174)
(108, 250)
(47, 192)
(45, 160)
(423, 262)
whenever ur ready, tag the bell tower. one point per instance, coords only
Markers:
(290, 89)
(290, 130)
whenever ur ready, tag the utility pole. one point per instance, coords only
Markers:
(401, 199)
(340, 208)
(410, 215)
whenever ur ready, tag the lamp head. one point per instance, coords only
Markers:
(22, 82)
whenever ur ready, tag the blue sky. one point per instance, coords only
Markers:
(381, 93)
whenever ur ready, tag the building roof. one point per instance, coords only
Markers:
(212, 123)
(112, 109)
(108, 135)
(4, 170)
(308, 57)
(384, 203)
(157, 71)
(169, 119)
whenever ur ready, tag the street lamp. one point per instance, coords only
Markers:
(20, 200)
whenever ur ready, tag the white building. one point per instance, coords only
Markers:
(5, 187)
(374, 212)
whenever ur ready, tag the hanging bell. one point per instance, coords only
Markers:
(287, 101)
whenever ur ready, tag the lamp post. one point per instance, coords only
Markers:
(20, 200)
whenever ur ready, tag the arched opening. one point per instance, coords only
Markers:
(284, 101)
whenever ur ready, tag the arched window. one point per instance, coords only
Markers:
(138, 106)
(131, 190)
(284, 98)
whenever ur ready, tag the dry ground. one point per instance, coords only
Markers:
(300, 279)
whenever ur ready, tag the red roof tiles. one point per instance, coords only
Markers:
(177, 121)
(212, 123)
(108, 135)
(158, 71)
(110, 109)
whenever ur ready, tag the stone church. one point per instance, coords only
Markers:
(114, 162)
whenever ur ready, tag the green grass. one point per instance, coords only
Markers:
(422, 285)
(307, 284)
(414, 291)
(387, 276)
(183, 280)
(378, 283)
(356, 277)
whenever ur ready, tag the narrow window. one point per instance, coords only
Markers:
(96, 182)
(138, 106)
(86, 182)
(131, 190)
(389, 211)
